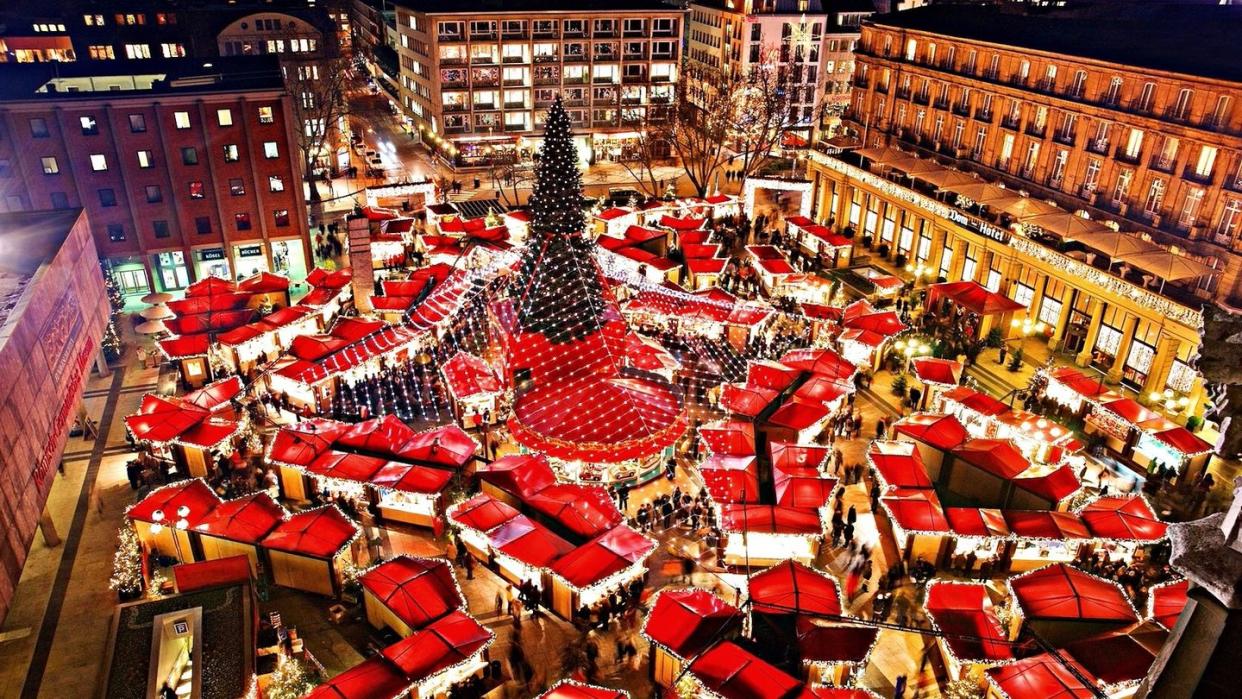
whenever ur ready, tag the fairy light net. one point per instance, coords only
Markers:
(575, 399)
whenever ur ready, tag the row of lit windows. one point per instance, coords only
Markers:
(138, 122)
(131, 19)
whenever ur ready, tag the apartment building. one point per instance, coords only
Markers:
(477, 80)
(186, 169)
(813, 38)
(1114, 116)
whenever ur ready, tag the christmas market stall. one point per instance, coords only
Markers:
(572, 689)
(1062, 603)
(934, 435)
(235, 528)
(1040, 677)
(989, 309)
(918, 522)
(246, 347)
(682, 624)
(163, 519)
(309, 551)
(935, 376)
(1118, 660)
(474, 387)
(192, 437)
(834, 654)
(613, 221)
(783, 593)
(192, 354)
(728, 671)
(1167, 601)
(407, 593)
(771, 264)
(331, 292)
(584, 577)
(1123, 526)
(832, 249)
(309, 374)
(380, 461)
(970, 635)
(475, 518)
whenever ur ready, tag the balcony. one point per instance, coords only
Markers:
(483, 36)
(574, 79)
(628, 79)
(580, 102)
(1097, 146)
(520, 34)
(941, 104)
(961, 109)
(661, 78)
(456, 129)
(484, 106)
(515, 82)
(482, 60)
(634, 33)
(881, 88)
(450, 38)
(574, 34)
(604, 122)
(547, 58)
(1011, 122)
(631, 100)
(548, 80)
(922, 98)
(1036, 130)
(516, 105)
(1164, 165)
(993, 75)
(516, 127)
(860, 81)
(455, 107)
(1139, 105)
(1123, 156)
(575, 58)
(605, 58)
(1233, 183)
(515, 59)
(604, 80)
(1177, 116)
(1017, 79)
(1048, 85)
(1064, 138)
(604, 34)
(663, 55)
(453, 61)
(486, 82)
(1189, 173)
(985, 117)
(634, 57)
(903, 93)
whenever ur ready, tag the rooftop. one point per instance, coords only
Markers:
(1141, 35)
(535, 6)
(104, 79)
(28, 240)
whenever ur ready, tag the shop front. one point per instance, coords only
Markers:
(249, 260)
(289, 258)
(617, 147)
(170, 271)
(130, 275)
(211, 262)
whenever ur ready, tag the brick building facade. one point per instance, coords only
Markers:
(184, 170)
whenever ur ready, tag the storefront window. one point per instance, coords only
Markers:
(1023, 294)
(130, 276)
(289, 259)
(171, 271)
(211, 262)
(1106, 346)
(1050, 311)
(1181, 377)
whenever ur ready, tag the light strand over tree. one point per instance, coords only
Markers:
(557, 277)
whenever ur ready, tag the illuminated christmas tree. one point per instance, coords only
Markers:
(127, 563)
(560, 290)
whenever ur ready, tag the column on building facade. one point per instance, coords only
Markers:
(1123, 350)
(1067, 307)
(960, 251)
(1161, 364)
(938, 236)
(1037, 298)
(1093, 332)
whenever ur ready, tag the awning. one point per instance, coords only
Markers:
(898, 464)
(690, 620)
(1168, 266)
(482, 513)
(972, 296)
(964, 614)
(1122, 518)
(1063, 592)
(944, 432)
(1027, 207)
(319, 533)
(794, 588)
(1067, 226)
(734, 673)
(246, 519)
(416, 590)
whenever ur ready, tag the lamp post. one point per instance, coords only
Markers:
(1024, 328)
(909, 349)
(1172, 401)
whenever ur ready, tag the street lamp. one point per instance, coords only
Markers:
(919, 270)
(1026, 328)
(1170, 400)
(909, 349)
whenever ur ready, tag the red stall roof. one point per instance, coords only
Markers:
(200, 575)
(731, 478)
(798, 416)
(745, 400)
(216, 395)
(972, 296)
(899, 464)
(1053, 486)
(786, 455)
(1079, 382)
(834, 642)
(998, 457)
(302, 443)
(688, 621)
(185, 346)
(822, 362)
(945, 372)
(417, 590)
(1119, 656)
(766, 373)
(569, 689)
(529, 542)
(976, 521)
(1040, 677)
(769, 519)
(446, 642)
(964, 613)
(977, 401)
(734, 673)
(1166, 602)
(916, 510)
(802, 487)
(1122, 518)
(884, 323)
(346, 466)
(731, 437)
(794, 588)
(443, 446)
(483, 513)
(520, 474)
(584, 510)
(1045, 524)
(468, 375)
(318, 533)
(1184, 441)
(168, 499)
(606, 554)
(1060, 591)
(411, 478)
(246, 519)
(371, 679)
(943, 432)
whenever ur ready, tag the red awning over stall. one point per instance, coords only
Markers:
(375, 678)
(522, 475)
(734, 673)
(794, 588)
(688, 621)
(301, 444)
(943, 432)
(1040, 677)
(898, 464)
(246, 519)
(319, 533)
(483, 513)
(945, 372)
(446, 642)
(834, 643)
(193, 494)
(786, 455)
(822, 362)
(998, 457)
(916, 510)
(964, 613)
(417, 590)
(1122, 518)
(769, 519)
(567, 689)
(731, 438)
(606, 554)
(1166, 602)
(529, 542)
(1060, 591)
(584, 510)
(972, 296)
(977, 521)
(744, 399)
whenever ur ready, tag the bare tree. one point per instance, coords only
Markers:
(318, 85)
(727, 118)
(510, 176)
(653, 145)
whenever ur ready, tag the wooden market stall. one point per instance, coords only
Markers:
(682, 624)
(308, 551)
(408, 593)
(163, 519)
(235, 528)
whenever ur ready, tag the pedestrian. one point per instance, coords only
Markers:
(899, 687)
(469, 567)
(477, 183)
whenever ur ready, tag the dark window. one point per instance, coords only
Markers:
(196, 190)
(137, 123)
(38, 128)
(116, 232)
(6, 168)
(243, 221)
(189, 155)
(107, 197)
(237, 186)
(154, 194)
(160, 228)
(60, 200)
(15, 202)
(202, 225)
(282, 218)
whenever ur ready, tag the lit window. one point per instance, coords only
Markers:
(242, 220)
(144, 159)
(276, 183)
(181, 120)
(172, 50)
(224, 117)
(230, 153)
(90, 127)
(101, 52)
(196, 190)
(282, 218)
(237, 186)
(133, 51)
(1207, 160)
(265, 115)
(99, 162)
(93, 20)
(270, 150)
